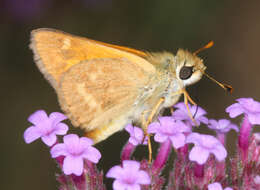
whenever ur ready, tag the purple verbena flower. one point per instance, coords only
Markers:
(181, 113)
(217, 186)
(129, 176)
(251, 110)
(222, 125)
(257, 180)
(248, 106)
(45, 127)
(203, 146)
(136, 135)
(75, 150)
(169, 128)
(136, 138)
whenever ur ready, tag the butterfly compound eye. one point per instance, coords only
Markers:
(185, 72)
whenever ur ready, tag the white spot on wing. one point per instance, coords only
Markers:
(66, 43)
(88, 98)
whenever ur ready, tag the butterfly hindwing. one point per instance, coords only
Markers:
(95, 92)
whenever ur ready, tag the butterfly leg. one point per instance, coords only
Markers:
(147, 135)
(171, 110)
(187, 99)
(145, 124)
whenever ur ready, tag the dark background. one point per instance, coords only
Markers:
(152, 25)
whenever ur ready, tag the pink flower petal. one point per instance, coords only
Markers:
(61, 129)
(92, 154)
(130, 129)
(131, 165)
(59, 150)
(181, 106)
(254, 119)
(199, 155)
(71, 140)
(223, 122)
(85, 142)
(115, 172)
(234, 127)
(143, 178)
(247, 101)
(220, 152)
(134, 141)
(257, 179)
(118, 185)
(73, 165)
(199, 111)
(138, 133)
(215, 186)
(38, 117)
(213, 123)
(222, 125)
(129, 176)
(121, 185)
(49, 139)
(31, 134)
(229, 188)
(57, 117)
(133, 187)
(234, 110)
(208, 141)
(181, 127)
(194, 138)
(153, 127)
(166, 120)
(204, 120)
(159, 137)
(182, 114)
(178, 140)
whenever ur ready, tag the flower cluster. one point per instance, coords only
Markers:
(71, 155)
(201, 161)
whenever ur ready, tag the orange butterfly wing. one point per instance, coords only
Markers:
(55, 52)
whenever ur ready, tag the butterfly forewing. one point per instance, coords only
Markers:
(55, 52)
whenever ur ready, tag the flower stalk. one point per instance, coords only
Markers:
(243, 139)
(162, 156)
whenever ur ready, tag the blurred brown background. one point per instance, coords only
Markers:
(152, 25)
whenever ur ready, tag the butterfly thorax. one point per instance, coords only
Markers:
(173, 73)
(166, 80)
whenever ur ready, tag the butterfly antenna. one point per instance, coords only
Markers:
(208, 45)
(226, 87)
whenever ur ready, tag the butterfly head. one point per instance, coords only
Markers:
(189, 67)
